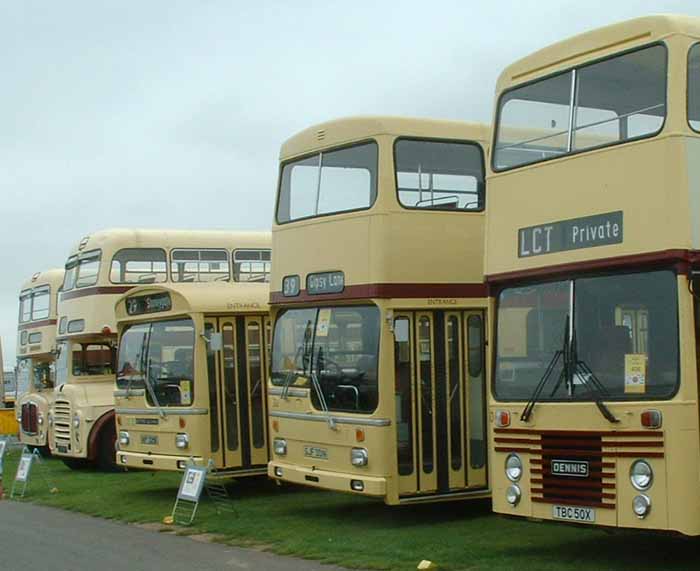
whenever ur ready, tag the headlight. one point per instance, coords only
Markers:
(50, 419)
(514, 467)
(280, 446)
(641, 475)
(513, 494)
(182, 441)
(641, 505)
(359, 457)
(40, 419)
(123, 437)
(18, 415)
(76, 421)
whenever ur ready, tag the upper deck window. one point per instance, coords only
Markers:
(25, 306)
(34, 304)
(439, 175)
(82, 271)
(252, 265)
(694, 87)
(40, 303)
(199, 265)
(328, 183)
(139, 265)
(604, 103)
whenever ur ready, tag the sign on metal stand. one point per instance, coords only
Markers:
(195, 480)
(22, 476)
(189, 493)
(3, 448)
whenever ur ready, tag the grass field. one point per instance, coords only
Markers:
(355, 532)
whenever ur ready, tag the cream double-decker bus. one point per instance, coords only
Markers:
(592, 249)
(103, 267)
(191, 377)
(379, 307)
(36, 355)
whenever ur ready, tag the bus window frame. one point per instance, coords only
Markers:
(96, 253)
(692, 47)
(496, 292)
(469, 142)
(341, 147)
(564, 71)
(167, 268)
(170, 261)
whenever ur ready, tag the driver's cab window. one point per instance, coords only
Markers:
(439, 175)
(92, 359)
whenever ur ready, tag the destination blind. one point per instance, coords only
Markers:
(572, 234)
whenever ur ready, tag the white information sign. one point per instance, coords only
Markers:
(192, 483)
(3, 447)
(25, 464)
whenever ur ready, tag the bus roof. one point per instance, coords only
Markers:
(597, 43)
(347, 129)
(212, 297)
(116, 238)
(52, 277)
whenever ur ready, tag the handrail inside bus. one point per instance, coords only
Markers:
(579, 127)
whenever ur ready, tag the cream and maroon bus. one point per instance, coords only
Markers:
(592, 252)
(36, 355)
(191, 377)
(379, 310)
(99, 270)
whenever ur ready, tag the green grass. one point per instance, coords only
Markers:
(356, 532)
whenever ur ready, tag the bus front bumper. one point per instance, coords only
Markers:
(336, 481)
(156, 461)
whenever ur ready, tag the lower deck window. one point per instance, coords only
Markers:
(332, 350)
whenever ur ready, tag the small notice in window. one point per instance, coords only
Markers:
(324, 321)
(635, 372)
(186, 391)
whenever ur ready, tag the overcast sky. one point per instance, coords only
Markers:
(170, 114)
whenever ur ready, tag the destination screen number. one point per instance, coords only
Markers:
(154, 303)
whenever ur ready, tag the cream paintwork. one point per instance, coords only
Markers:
(385, 244)
(655, 183)
(39, 353)
(93, 396)
(199, 302)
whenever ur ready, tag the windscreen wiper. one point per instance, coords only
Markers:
(559, 354)
(151, 391)
(319, 391)
(586, 375)
(292, 374)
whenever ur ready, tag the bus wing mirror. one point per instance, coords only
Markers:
(216, 342)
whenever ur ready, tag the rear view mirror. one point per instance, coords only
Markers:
(216, 342)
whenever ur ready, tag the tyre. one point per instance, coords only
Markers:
(106, 451)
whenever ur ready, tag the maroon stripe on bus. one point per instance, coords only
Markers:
(660, 257)
(96, 290)
(33, 324)
(383, 291)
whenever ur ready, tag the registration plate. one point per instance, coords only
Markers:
(570, 513)
(62, 449)
(316, 452)
(149, 439)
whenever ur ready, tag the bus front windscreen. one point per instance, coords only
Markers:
(621, 345)
(331, 350)
(158, 356)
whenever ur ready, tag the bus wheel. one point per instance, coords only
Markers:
(76, 463)
(106, 453)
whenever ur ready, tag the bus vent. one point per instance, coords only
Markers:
(30, 423)
(62, 422)
(321, 134)
(577, 467)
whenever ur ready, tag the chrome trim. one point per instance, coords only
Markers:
(336, 419)
(129, 393)
(166, 412)
(279, 391)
